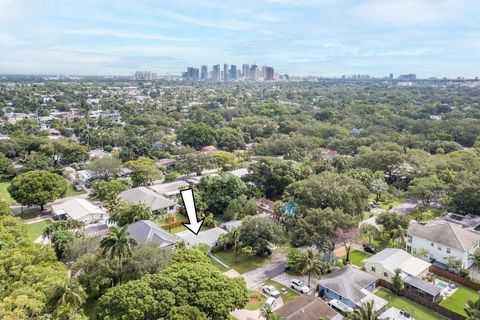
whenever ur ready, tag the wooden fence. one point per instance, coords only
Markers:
(412, 296)
(450, 276)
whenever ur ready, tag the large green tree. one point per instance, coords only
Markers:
(37, 188)
(123, 213)
(273, 176)
(117, 244)
(258, 233)
(144, 171)
(197, 135)
(217, 192)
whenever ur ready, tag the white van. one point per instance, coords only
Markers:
(269, 304)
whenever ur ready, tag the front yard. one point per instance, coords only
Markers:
(255, 300)
(35, 230)
(416, 311)
(4, 195)
(458, 299)
(243, 263)
(290, 295)
(357, 257)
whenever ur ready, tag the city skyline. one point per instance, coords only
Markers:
(303, 37)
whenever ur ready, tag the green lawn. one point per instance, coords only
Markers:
(161, 219)
(416, 311)
(71, 192)
(357, 257)
(244, 264)
(218, 265)
(457, 301)
(29, 214)
(260, 300)
(387, 201)
(287, 297)
(35, 230)
(4, 195)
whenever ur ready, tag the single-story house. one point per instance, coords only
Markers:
(350, 286)
(170, 190)
(238, 172)
(79, 209)
(209, 237)
(230, 225)
(383, 264)
(442, 239)
(144, 231)
(307, 307)
(156, 202)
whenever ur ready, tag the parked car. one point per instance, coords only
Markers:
(269, 304)
(77, 187)
(370, 249)
(271, 291)
(299, 286)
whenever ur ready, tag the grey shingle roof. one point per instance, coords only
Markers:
(306, 307)
(446, 233)
(348, 282)
(423, 285)
(144, 231)
(144, 195)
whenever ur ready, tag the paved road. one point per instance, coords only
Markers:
(269, 270)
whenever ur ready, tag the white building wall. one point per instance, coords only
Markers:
(439, 252)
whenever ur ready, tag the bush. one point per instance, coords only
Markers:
(464, 273)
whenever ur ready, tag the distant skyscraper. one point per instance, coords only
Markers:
(246, 71)
(216, 73)
(204, 73)
(269, 74)
(233, 72)
(391, 76)
(145, 75)
(225, 72)
(254, 72)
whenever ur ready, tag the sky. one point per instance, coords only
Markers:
(298, 37)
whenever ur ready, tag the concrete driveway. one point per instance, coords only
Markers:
(271, 269)
(244, 314)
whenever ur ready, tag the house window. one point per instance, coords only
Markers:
(340, 298)
(385, 275)
(170, 208)
(448, 250)
(439, 249)
(409, 238)
(432, 244)
(327, 290)
(373, 269)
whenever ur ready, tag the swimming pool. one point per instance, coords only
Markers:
(441, 284)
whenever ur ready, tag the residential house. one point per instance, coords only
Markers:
(307, 307)
(146, 231)
(79, 209)
(350, 286)
(230, 225)
(156, 202)
(238, 172)
(442, 239)
(413, 270)
(170, 190)
(209, 237)
(383, 264)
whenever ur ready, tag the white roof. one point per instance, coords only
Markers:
(392, 258)
(77, 208)
(239, 172)
(209, 237)
(378, 303)
(146, 196)
(169, 188)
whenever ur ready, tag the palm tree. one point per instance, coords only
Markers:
(71, 294)
(365, 312)
(234, 240)
(169, 220)
(472, 309)
(475, 257)
(117, 244)
(310, 263)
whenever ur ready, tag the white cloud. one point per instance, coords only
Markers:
(412, 12)
(123, 34)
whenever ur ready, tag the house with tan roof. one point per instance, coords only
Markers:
(307, 307)
(442, 239)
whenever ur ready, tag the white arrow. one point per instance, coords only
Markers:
(189, 202)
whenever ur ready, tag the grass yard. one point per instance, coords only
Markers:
(244, 264)
(218, 265)
(35, 230)
(255, 300)
(71, 192)
(457, 301)
(416, 311)
(287, 297)
(387, 201)
(357, 257)
(4, 195)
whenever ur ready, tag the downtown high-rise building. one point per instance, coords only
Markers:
(216, 73)
(192, 74)
(225, 72)
(145, 75)
(204, 73)
(233, 72)
(246, 71)
(254, 72)
(269, 74)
